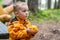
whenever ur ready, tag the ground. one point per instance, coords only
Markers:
(47, 31)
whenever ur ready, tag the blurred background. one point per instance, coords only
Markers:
(43, 13)
(40, 10)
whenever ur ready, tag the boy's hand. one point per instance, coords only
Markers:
(30, 31)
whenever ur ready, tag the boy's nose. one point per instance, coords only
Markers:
(27, 13)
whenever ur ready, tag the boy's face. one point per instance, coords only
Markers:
(22, 11)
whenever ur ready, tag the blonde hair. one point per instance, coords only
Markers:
(18, 5)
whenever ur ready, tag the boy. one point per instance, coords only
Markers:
(20, 28)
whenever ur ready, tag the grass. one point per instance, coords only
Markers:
(46, 15)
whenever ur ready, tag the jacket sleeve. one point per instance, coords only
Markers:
(32, 27)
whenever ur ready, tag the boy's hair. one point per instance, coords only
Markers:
(18, 5)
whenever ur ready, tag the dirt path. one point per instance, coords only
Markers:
(47, 31)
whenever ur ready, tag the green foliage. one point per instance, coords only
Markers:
(46, 15)
(0, 2)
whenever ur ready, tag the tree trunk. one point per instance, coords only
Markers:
(49, 4)
(22, 0)
(18, 0)
(58, 4)
(33, 5)
(55, 5)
